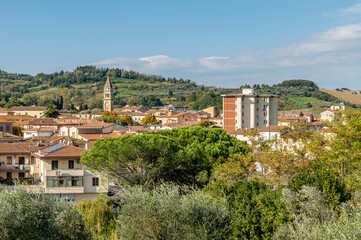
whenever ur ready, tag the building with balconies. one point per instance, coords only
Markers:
(59, 171)
(249, 110)
(15, 160)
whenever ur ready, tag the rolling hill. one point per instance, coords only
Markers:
(346, 97)
(84, 86)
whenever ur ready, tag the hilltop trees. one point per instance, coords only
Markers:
(208, 100)
(150, 101)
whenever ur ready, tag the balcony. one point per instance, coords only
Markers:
(15, 168)
(64, 190)
(68, 172)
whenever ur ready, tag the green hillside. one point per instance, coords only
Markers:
(84, 86)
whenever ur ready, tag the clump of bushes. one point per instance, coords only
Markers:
(29, 215)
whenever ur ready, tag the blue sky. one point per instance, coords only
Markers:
(221, 43)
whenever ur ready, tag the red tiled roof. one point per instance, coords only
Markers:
(283, 118)
(139, 129)
(65, 151)
(21, 123)
(5, 121)
(41, 129)
(96, 125)
(72, 121)
(43, 121)
(318, 123)
(16, 148)
(4, 135)
(24, 108)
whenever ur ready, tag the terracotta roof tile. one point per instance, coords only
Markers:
(24, 108)
(61, 150)
(4, 135)
(16, 148)
(41, 129)
(5, 121)
(96, 125)
(43, 121)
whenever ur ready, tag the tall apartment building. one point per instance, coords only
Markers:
(248, 110)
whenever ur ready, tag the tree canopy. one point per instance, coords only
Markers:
(183, 155)
(149, 119)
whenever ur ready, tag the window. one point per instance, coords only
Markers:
(64, 181)
(71, 164)
(1, 128)
(95, 181)
(21, 160)
(54, 165)
(9, 160)
(9, 175)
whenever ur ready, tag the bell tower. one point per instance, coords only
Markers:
(108, 96)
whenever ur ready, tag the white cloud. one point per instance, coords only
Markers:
(326, 56)
(353, 9)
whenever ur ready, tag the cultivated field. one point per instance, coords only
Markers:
(347, 97)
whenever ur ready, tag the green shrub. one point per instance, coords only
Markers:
(314, 220)
(170, 212)
(257, 209)
(99, 217)
(27, 215)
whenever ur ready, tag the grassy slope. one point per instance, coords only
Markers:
(318, 105)
(351, 98)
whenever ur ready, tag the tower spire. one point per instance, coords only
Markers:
(108, 96)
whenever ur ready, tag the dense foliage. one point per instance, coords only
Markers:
(207, 100)
(171, 212)
(183, 155)
(256, 208)
(304, 185)
(25, 215)
(149, 119)
(313, 220)
(99, 217)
